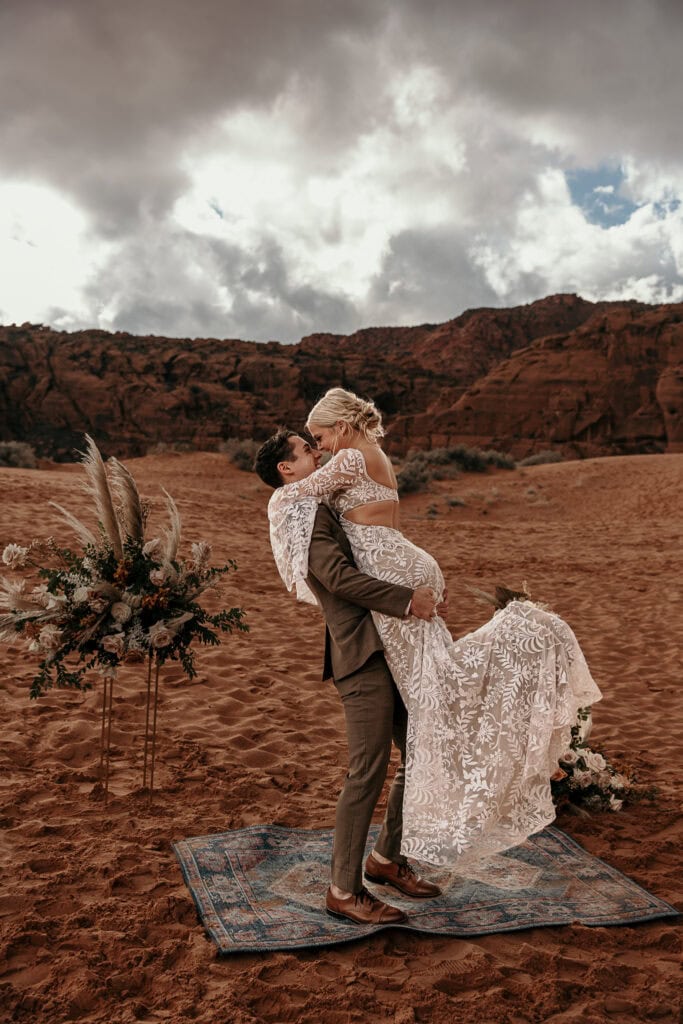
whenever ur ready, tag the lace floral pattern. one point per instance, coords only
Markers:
(488, 714)
(292, 509)
(291, 529)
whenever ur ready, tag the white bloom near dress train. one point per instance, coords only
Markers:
(488, 714)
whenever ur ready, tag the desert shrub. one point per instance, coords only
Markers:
(170, 448)
(474, 460)
(413, 477)
(241, 452)
(455, 502)
(539, 458)
(436, 457)
(501, 460)
(18, 454)
(445, 463)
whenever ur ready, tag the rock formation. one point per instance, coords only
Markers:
(586, 378)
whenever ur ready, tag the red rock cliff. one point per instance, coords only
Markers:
(589, 378)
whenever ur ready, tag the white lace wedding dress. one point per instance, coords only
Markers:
(488, 714)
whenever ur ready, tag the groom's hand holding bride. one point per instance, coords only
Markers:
(423, 603)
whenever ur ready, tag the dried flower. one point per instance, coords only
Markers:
(160, 635)
(14, 556)
(157, 577)
(201, 553)
(569, 758)
(48, 638)
(120, 598)
(122, 573)
(582, 778)
(594, 762)
(121, 612)
(114, 643)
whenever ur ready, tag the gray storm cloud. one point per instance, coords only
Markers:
(101, 98)
(104, 102)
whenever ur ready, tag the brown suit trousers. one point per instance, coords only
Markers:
(373, 709)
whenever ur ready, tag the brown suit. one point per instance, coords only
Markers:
(373, 709)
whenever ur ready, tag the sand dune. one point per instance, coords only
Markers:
(95, 922)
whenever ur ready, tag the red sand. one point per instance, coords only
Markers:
(95, 921)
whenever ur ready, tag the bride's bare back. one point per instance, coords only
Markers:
(377, 513)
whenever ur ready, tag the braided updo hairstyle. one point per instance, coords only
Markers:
(338, 404)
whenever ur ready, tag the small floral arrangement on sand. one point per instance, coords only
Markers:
(122, 598)
(589, 780)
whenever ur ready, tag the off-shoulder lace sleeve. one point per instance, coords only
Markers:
(291, 526)
(291, 513)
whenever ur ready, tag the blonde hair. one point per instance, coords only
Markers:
(338, 404)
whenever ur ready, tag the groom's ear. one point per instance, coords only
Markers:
(284, 468)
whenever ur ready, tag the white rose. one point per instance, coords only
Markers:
(157, 577)
(615, 805)
(595, 762)
(14, 556)
(583, 779)
(160, 635)
(120, 612)
(151, 547)
(48, 638)
(114, 643)
(81, 595)
(41, 596)
(571, 757)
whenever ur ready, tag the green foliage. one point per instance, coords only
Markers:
(17, 454)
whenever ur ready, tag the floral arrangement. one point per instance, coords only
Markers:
(589, 780)
(122, 598)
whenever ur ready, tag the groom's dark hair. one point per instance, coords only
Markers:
(277, 448)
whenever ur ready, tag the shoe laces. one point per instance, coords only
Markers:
(364, 896)
(406, 869)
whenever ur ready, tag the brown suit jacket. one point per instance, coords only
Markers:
(347, 596)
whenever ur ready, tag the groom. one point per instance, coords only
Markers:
(373, 709)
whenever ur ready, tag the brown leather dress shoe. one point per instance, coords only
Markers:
(364, 908)
(402, 877)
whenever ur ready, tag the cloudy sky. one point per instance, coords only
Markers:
(264, 169)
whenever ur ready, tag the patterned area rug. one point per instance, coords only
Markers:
(264, 887)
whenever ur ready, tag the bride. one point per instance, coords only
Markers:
(490, 713)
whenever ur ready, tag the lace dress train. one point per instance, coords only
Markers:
(488, 714)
